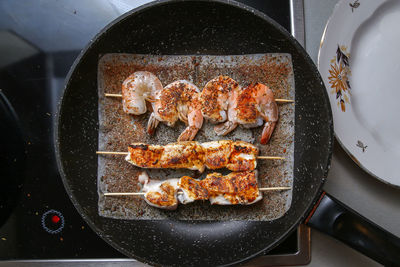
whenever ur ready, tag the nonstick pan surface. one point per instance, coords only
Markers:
(185, 28)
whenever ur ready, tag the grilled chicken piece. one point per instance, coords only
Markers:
(236, 188)
(145, 156)
(191, 190)
(167, 194)
(160, 194)
(233, 155)
(180, 155)
(232, 189)
(183, 155)
(217, 153)
(243, 157)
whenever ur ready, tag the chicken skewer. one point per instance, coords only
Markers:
(236, 188)
(233, 155)
(127, 153)
(262, 189)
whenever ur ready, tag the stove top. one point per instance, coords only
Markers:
(38, 43)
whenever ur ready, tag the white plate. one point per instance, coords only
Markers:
(359, 60)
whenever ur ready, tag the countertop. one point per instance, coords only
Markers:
(346, 181)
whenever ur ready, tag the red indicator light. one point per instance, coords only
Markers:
(55, 219)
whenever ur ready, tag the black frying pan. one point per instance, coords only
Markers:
(177, 27)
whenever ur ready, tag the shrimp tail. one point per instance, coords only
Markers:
(151, 99)
(225, 128)
(183, 117)
(195, 120)
(269, 127)
(188, 134)
(152, 124)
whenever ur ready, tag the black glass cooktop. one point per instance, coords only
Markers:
(39, 41)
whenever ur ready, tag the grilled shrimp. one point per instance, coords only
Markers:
(215, 98)
(177, 101)
(249, 108)
(137, 88)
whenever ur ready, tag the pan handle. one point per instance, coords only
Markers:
(332, 217)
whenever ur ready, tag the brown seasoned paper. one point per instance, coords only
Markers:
(118, 129)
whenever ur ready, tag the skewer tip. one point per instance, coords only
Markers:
(125, 194)
(111, 153)
(280, 100)
(280, 188)
(112, 95)
(270, 157)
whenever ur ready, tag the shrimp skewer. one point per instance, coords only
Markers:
(136, 89)
(177, 101)
(250, 108)
(221, 101)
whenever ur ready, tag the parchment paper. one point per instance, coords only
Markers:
(118, 129)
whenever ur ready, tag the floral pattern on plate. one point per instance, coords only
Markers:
(354, 5)
(343, 60)
(361, 145)
(339, 73)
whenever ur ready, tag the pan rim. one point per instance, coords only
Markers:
(137, 11)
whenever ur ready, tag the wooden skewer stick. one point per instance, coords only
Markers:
(143, 193)
(276, 100)
(127, 153)
(125, 194)
(262, 189)
(112, 95)
(111, 153)
(281, 100)
(270, 157)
